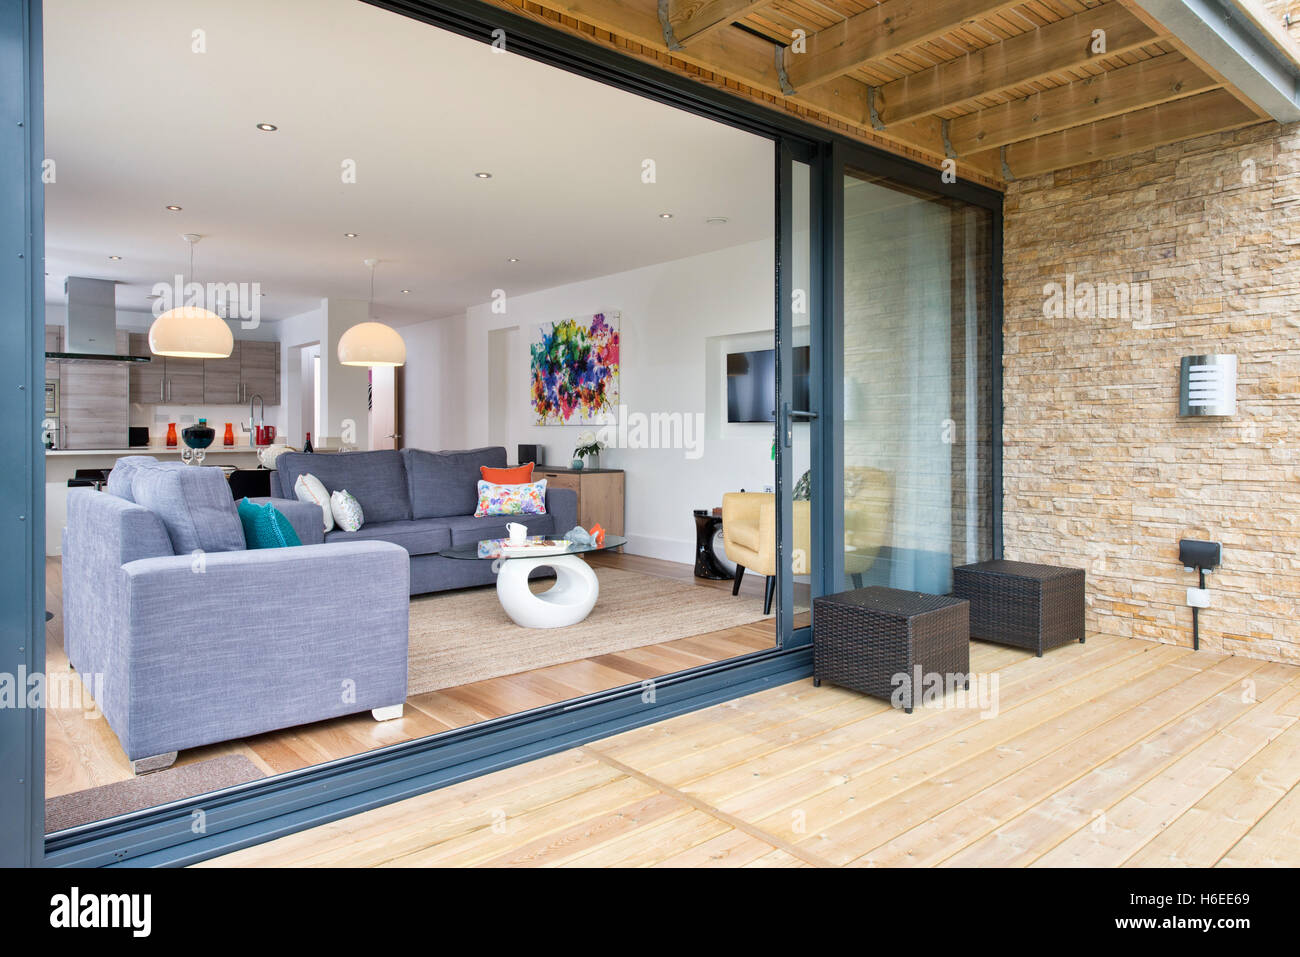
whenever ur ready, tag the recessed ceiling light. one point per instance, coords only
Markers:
(512, 259)
(482, 175)
(665, 215)
(350, 235)
(267, 127)
(717, 220)
(406, 292)
(174, 209)
(115, 258)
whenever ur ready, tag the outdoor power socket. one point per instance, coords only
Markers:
(1198, 597)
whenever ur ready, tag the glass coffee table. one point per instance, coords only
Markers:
(567, 602)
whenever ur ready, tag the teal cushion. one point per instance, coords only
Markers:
(265, 526)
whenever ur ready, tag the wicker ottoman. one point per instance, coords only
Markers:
(873, 640)
(1029, 606)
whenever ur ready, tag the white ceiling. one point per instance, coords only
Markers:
(135, 121)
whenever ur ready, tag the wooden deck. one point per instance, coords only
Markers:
(1119, 752)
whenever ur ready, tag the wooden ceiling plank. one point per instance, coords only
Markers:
(751, 60)
(692, 20)
(1128, 133)
(1135, 8)
(1147, 83)
(891, 27)
(1063, 45)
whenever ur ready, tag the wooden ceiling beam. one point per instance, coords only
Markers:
(1063, 45)
(1128, 133)
(891, 27)
(1147, 83)
(692, 20)
(752, 60)
(1135, 7)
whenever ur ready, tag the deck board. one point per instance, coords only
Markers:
(1116, 752)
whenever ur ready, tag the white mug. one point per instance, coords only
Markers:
(518, 533)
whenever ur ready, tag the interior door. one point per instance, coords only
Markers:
(386, 407)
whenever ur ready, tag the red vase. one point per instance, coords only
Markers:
(229, 438)
(171, 435)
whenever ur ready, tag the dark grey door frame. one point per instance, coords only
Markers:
(22, 467)
(276, 806)
(841, 155)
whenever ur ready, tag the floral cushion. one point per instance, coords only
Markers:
(346, 510)
(529, 499)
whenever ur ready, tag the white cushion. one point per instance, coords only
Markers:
(347, 510)
(309, 488)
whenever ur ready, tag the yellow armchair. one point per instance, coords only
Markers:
(749, 529)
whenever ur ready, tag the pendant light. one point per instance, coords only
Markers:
(371, 343)
(191, 332)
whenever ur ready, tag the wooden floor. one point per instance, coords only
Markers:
(82, 751)
(1119, 752)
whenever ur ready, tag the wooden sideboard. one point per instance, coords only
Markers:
(600, 494)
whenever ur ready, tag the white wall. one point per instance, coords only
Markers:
(434, 385)
(677, 320)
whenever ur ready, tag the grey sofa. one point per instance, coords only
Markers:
(422, 501)
(187, 638)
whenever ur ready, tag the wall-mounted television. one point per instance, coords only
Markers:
(751, 384)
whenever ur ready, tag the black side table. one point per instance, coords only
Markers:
(706, 562)
(879, 641)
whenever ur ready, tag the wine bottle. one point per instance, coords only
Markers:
(306, 446)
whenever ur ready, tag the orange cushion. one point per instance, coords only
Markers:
(519, 475)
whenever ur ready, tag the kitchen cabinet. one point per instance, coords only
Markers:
(93, 405)
(221, 378)
(53, 343)
(259, 370)
(252, 368)
(145, 378)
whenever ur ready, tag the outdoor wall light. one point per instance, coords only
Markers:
(1208, 386)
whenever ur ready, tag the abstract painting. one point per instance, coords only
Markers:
(574, 369)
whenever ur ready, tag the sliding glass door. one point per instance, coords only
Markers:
(914, 451)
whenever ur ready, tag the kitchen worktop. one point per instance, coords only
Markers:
(156, 450)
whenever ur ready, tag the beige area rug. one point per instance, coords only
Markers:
(148, 790)
(465, 636)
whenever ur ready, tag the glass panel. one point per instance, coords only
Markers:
(917, 364)
(801, 554)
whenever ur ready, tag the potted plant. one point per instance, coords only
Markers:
(588, 447)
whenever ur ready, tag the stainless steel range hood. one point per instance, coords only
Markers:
(91, 335)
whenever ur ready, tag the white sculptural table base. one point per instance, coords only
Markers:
(567, 602)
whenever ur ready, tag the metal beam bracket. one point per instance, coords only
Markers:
(944, 127)
(876, 123)
(1006, 170)
(670, 39)
(781, 76)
